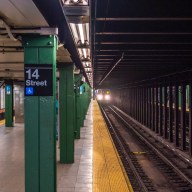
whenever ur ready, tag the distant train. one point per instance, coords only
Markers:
(103, 94)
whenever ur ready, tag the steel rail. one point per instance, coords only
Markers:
(155, 149)
(124, 151)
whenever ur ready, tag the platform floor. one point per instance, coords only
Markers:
(77, 177)
(98, 172)
(108, 172)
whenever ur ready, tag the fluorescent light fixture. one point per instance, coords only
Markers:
(87, 30)
(81, 52)
(85, 53)
(87, 64)
(75, 2)
(74, 31)
(81, 33)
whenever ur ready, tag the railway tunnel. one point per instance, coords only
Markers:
(95, 95)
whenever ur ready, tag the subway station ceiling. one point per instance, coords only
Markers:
(134, 40)
(21, 17)
(112, 42)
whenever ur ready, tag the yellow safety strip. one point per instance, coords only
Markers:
(2, 122)
(108, 172)
(138, 153)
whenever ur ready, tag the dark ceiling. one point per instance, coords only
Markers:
(154, 36)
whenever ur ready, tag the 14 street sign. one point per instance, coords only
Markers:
(38, 80)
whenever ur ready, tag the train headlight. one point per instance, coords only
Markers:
(99, 97)
(107, 97)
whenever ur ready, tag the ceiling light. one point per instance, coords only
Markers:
(75, 2)
(87, 64)
(81, 33)
(87, 30)
(84, 53)
(74, 31)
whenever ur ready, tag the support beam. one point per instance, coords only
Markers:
(156, 109)
(183, 116)
(143, 106)
(66, 106)
(176, 116)
(165, 112)
(170, 113)
(153, 108)
(9, 103)
(149, 107)
(137, 103)
(190, 118)
(40, 120)
(140, 105)
(134, 102)
(161, 110)
(146, 106)
(77, 106)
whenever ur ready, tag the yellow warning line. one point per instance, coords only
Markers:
(122, 167)
(138, 153)
(108, 172)
(2, 122)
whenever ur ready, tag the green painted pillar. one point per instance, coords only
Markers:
(66, 106)
(83, 105)
(9, 103)
(86, 98)
(84, 102)
(77, 106)
(40, 120)
(81, 110)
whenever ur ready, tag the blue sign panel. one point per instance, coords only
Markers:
(29, 91)
(81, 89)
(8, 89)
(38, 80)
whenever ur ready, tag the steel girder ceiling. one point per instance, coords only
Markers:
(21, 15)
(155, 37)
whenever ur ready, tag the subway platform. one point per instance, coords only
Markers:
(97, 166)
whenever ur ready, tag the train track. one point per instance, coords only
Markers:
(177, 173)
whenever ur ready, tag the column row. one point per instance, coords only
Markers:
(165, 108)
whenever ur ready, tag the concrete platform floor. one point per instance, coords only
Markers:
(75, 177)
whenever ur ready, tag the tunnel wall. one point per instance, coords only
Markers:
(164, 105)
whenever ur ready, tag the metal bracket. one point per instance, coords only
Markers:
(40, 31)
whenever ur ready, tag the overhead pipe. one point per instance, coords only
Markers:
(10, 34)
(110, 70)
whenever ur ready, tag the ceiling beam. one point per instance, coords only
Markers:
(143, 33)
(144, 19)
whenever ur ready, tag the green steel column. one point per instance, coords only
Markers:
(9, 103)
(40, 120)
(81, 110)
(77, 106)
(87, 97)
(81, 107)
(88, 88)
(83, 103)
(75, 111)
(66, 106)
